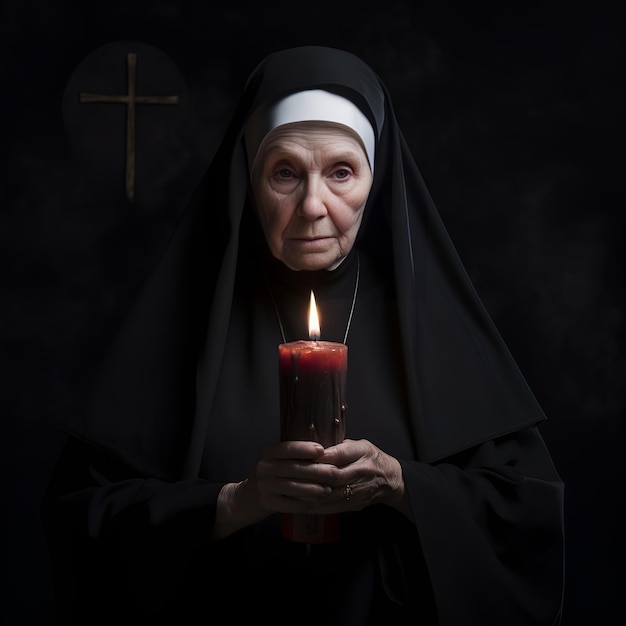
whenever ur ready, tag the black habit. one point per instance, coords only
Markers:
(188, 397)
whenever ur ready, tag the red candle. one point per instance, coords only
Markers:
(312, 408)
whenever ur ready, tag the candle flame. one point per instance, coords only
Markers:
(314, 321)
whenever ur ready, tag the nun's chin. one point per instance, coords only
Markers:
(312, 262)
(310, 254)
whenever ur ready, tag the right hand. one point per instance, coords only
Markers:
(286, 479)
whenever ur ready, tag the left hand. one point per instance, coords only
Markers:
(362, 474)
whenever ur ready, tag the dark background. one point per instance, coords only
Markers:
(515, 119)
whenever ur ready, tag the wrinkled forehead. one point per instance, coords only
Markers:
(315, 105)
(303, 132)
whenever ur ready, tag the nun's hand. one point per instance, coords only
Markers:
(290, 479)
(287, 479)
(303, 477)
(365, 475)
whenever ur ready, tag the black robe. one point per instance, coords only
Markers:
(189, 396)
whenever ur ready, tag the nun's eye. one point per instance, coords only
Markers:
(284, 173)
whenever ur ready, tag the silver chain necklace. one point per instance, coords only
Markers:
(354, 295)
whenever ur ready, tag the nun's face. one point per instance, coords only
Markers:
(310, 184)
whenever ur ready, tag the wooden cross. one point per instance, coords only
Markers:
(130, 99)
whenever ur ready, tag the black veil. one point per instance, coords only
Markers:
(159, 381)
